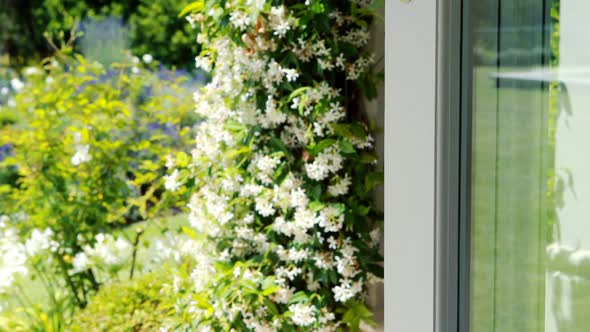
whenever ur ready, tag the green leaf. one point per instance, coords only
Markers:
(377, 270)
(315, 206)
(316, 192)
(321, 146)
(368, 158)
(356, 313)
(190, 232)
(271, 290)
(277, 144)
(299, 297)
(272, 307)
(317, 7)
(346, 147)
(194, 7)
(372, 180)
(298, 92)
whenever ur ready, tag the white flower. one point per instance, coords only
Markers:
(250, 190)
(82, 154)
(333, 244)
(357, 37)
(239, 19)
(281, 28)
(80, 262)
(17, 84)
(340, 187)
(340, 61)
(295, 103)
(331, 219)
(275, 72)
(108, 251)
(346, 290)
(171, 182)
(266, 166)
(375, 236)
(4, 219)
(283, 295)
(325, 64)
(328, 161)
(13, 259)
(319, 48)
(4, 91)
(30, 71)
(279, 22)
(298, 256)
(323, 261)
(291, 74)
(191, 20)
(358, 67)
(264, 206)
(303, 315)
(237, 272)
(258, 4)
(272, 116)
(304, 218)
(170, 161)
(203, 271)
(203, 62)
(40, 241)
(147, 58)
(299, 198)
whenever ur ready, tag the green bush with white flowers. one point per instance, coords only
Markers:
(283, 170)
(89, 152)
(270, 164)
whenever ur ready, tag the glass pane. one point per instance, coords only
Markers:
(530, 165)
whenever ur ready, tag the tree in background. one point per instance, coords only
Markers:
(154, 27)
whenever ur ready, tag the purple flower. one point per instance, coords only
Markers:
(5, 151)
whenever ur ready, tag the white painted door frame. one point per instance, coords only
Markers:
(423, 176)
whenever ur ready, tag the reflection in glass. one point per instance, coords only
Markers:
(530, 166)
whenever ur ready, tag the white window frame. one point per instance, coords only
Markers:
(425, 140)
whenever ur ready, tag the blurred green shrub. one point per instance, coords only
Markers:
(89, 149)
(134, 305)
(157, 30)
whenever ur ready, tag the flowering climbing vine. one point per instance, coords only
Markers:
(283, 171)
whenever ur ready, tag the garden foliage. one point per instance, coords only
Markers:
(89, 150)
(154, 27)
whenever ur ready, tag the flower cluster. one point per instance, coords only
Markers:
(107, 252)
(17, 255)
(282, 171)
(13, 257)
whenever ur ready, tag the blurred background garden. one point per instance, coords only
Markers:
(93, 96)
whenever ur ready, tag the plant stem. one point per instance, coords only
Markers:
(134, 257)
(92, 278)
(69, 281)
